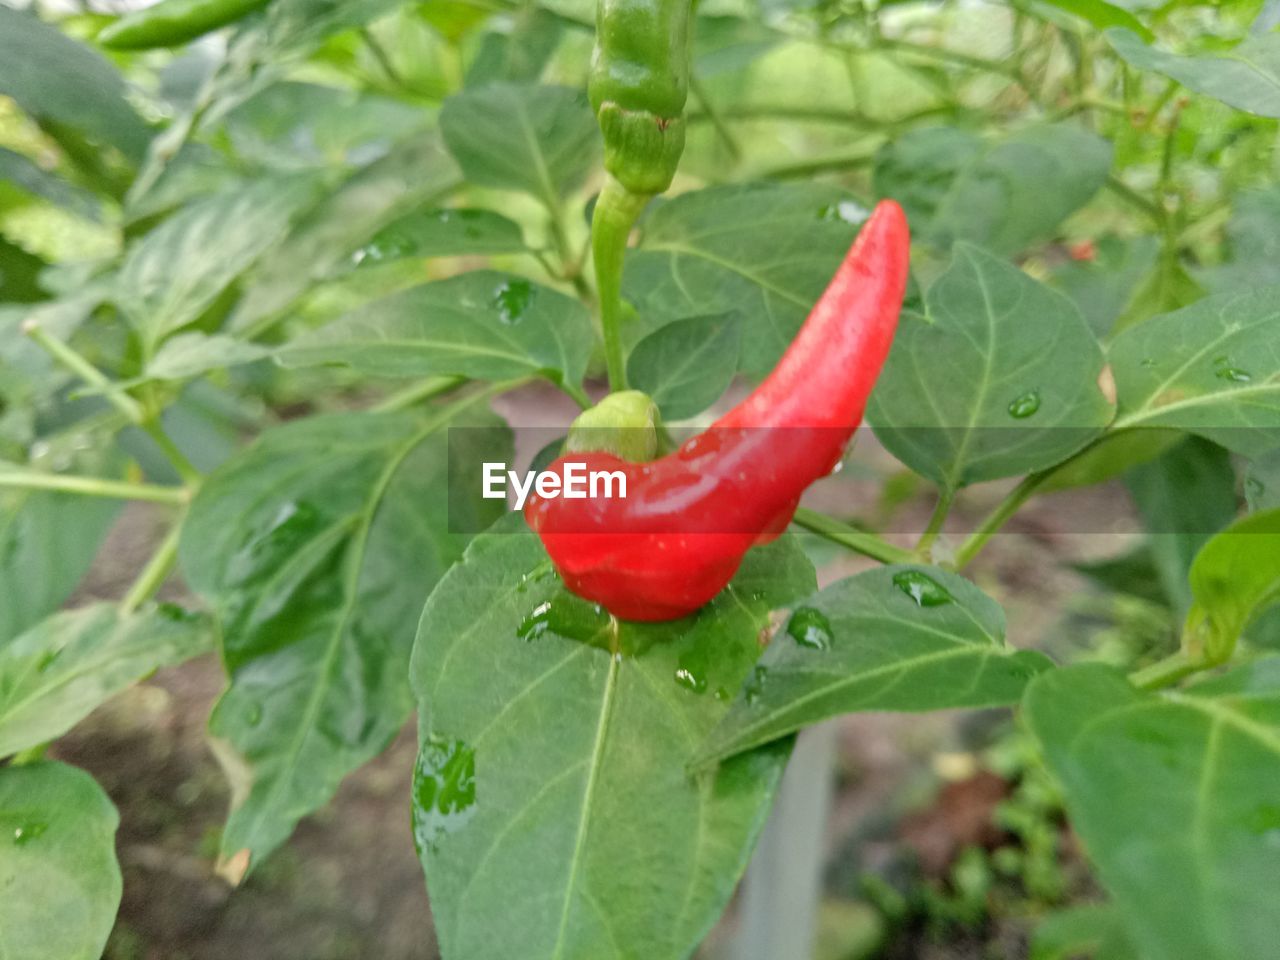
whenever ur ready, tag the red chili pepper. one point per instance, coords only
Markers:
(679, 535)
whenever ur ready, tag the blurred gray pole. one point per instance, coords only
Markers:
(783, 886)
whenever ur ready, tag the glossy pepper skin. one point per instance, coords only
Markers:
(688, 518)
(638, 85)
(170, 23)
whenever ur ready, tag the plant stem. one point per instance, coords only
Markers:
(1165, 672)
(569, 264)
(93, 487)
(428, 389)
(384, 61)
(717, 120)
(616, 213)
(577, 394)
(851, 118)
(185, 468)
(940, 511)
(1132, 196)
(156, 571)
(30, 755)
(999, 517)
(951, 56)
(85, 370)
(867, 544)
(805, 168)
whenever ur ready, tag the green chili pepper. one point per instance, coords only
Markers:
(638, 85)
(170, 23)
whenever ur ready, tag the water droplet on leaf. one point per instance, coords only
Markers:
(810, 628)
(846, 211)
(1233, 375)
(26, 832)
(444, 790)
(693, 682)
(922, 588)
(1025, 405)
(755, 686)
(536, 623)
(511, 299)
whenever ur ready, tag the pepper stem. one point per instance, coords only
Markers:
(617, 210)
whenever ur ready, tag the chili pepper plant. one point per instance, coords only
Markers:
(284, 274)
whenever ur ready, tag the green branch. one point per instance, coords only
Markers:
(93, 487)
(867, 544)
(156, 571)
(428, 389)
(85, 370)
(999, 517)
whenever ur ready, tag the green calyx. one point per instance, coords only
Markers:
(641, 150)
(625, 424)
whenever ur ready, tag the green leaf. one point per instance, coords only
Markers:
(1184, 498)
(1095, 930)
(483, 324)
(1173, 796)
(1100, 14)
(765, 251)
(57, 863)
(1235, 577)
(296, 27)
(1262, 482)
(191, 354)
(1253, 243)
(1212, 368)
(542, 140)
(552, 765)
(687, 365)
(1101, 288)
(20, 274)
(1133, 573)
(1246, 77)
(54, 78)
(23, 174)
(518, 54)
(1005, 196)
(301, 125)
(56, 673)
(918, 169)
(1110, 456)
(47, 544)
(999, 379)
(442, 232)
(317, 546)
(414, 173)
(175, 272)
(1169, 286)
(894, 638)
(724, 43)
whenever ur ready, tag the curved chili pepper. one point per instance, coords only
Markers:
(688, 518)
(173, 22)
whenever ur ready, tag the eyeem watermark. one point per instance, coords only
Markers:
(573, 482)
